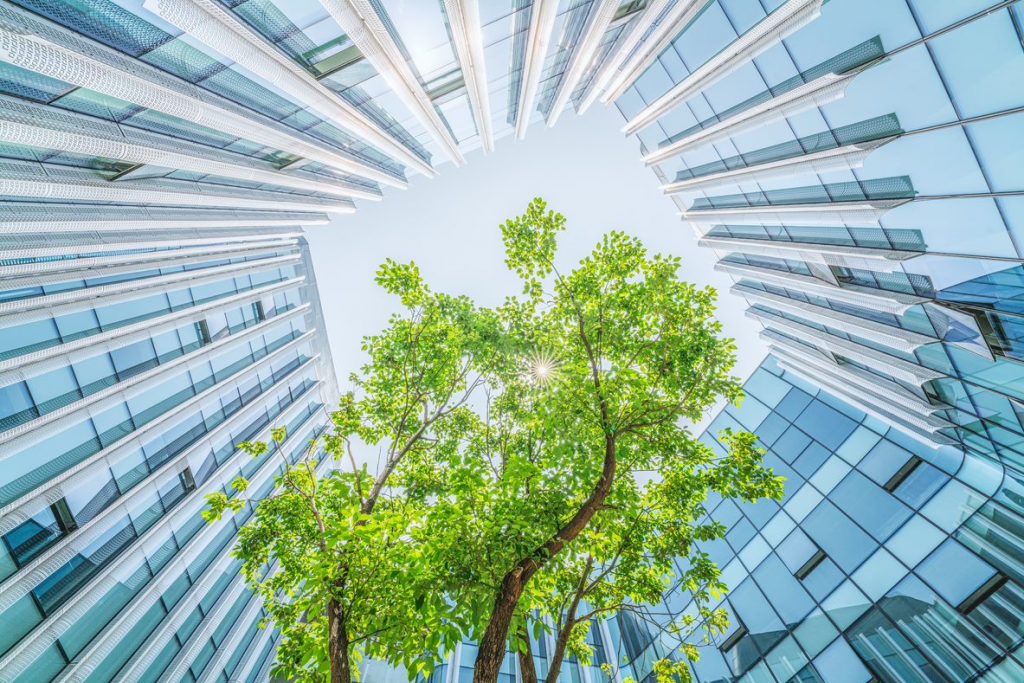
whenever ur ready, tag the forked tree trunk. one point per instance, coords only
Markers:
(492, 646)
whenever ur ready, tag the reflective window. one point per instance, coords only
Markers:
(954, 572)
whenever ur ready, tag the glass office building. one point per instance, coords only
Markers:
(888, 559)
(854, 165)
(131, 365)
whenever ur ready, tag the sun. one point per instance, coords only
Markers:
(542, 368)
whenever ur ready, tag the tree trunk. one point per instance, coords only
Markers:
(527, 668)
(558, 656)
(570, 620)
(341, 671)
(492, 648)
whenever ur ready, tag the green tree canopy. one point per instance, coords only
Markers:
(585, 481)
(536, 469)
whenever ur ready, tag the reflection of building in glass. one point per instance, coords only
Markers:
(853, 164)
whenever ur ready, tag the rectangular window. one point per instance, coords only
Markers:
(984, 592)
(902, 473)
(735, 638)
(16, 406)
(187, 481)
(810, 565)
(203, 332)
(65, 520)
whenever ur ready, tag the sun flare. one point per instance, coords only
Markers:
(542, 368)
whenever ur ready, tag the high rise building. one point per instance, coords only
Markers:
(131, 365)
(851, 165)
(876, 230)
(855, 165)
(888, 560)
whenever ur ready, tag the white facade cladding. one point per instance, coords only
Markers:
(825, 190)
(854, 165)
(133, 363)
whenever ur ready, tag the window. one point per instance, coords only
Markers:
(878, 512)
(983, 593)
(958, 575)
(65, 520)
(833, 531)
(810, 565)
(734, 639)
(95, 373)
(167, 345)
(203, 332)
(54, 389)
(135, 358)
(16, 406)
(22, 338)
(828, 426)
(790, 600)
(187, 481)
(902, 474)
(127, 312)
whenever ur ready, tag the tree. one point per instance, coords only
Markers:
(547, 506)
(535, 469)
(347, 582)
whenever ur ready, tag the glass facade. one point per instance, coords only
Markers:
(827, 190)
(848, 163)
(887, 560)
(133, 364)
(854, 165)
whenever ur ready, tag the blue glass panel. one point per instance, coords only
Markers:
(883, 461)
(811, 459)
(839, 537)
(102, 20)
(794, 403)
(840, 664)
(135, 358)
(954, 571)
(791, 444)
(983, 65)
(76, 325)
(771, 429)
(826, 424)
(31, 85)
(16, 405)
(54, 389)
(19, 619)
(871, 507)
(784, 592)
(26, 337)
(764, 625)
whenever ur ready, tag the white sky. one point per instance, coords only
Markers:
(585, 169)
